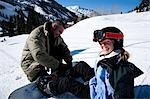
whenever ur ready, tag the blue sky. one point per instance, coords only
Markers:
(122, 5)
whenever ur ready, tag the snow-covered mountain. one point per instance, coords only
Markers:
(7, 10)
(22, 16)
(48, 8)
(143, 6)
(135, 27)
(79, 11)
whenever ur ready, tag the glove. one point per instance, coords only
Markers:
(69, 65)
(62, 69)
(68, 59)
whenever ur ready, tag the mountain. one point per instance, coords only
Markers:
(143, 6)
(48, 8)
(21, 16)
(79, 11)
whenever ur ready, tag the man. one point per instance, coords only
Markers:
(44, 50)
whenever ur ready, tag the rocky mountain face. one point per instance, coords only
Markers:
(143, 6)
(21, 16)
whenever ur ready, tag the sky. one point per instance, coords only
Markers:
(135, 27)
(123, 5)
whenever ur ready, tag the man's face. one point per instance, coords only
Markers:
(57, 30)
(107, 46)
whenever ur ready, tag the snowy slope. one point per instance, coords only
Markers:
(135, 27)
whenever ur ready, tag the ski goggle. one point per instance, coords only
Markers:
(100, 35)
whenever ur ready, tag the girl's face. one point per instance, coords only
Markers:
(107, 46)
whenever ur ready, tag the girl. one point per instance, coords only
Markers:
(114, 75)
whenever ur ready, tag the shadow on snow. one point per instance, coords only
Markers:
(74, 52)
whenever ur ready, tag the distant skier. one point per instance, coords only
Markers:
(114, 75)
(45, 49)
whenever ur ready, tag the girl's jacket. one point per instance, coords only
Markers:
(114, 78)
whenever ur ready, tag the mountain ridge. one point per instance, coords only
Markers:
(30, 14)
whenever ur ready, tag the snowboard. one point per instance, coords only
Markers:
(30, 91)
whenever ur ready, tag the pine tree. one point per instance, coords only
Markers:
(34, 19)
(20, 23)
(11, 26)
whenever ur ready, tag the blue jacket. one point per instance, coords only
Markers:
(100, 87)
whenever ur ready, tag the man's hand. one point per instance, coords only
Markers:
(69, 65)
(62, 69)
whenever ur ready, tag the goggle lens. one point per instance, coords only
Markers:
(99, 35)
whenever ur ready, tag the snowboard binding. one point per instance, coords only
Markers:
(47, 85)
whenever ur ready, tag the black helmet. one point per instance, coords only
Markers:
(111, 33)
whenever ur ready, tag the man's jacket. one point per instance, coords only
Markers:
(43, 50)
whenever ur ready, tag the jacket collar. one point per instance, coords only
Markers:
(46, 27)
(113, 53)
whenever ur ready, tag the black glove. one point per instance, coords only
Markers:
(68, 59)
(62, 69)
(69, 65)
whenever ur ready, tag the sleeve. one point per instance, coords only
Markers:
(125, 84)
(135, 70)
(92, 85)
(66, 52)
(38, 50)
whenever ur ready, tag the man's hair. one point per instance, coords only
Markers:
(60, 22)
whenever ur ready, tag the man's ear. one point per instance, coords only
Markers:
(54, 26)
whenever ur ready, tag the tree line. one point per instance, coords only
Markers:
(20, 23)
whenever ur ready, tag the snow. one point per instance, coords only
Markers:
(1, 31)
(135, 27)
(39, 10)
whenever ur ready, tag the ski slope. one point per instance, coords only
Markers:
(135, 27)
